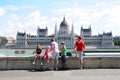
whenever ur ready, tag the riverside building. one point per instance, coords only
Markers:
(24, 40)
(104, 40)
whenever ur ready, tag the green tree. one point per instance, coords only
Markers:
(117, 42)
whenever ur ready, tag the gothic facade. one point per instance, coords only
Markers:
(24, 40)
(42, 37)
(104, 40)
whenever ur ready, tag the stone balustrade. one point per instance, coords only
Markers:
(25, 63)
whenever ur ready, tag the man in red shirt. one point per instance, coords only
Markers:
(79, 47)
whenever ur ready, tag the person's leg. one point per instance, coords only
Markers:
(53, 59)
(56, 60)
(34, 60)
(41, 60)
(49, 56)
(76, 52)
(48, 59)
(36, 56)
(81, 64)
(81, 59)
(53, 64)
(63, 61)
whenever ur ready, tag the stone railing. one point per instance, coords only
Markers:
(102, 62)
(25, 63)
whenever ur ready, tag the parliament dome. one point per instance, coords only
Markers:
(64, 23)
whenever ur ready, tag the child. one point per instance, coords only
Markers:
(47, 53)
(63, 55)
(38, 54)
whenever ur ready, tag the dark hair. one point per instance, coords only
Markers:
(52, 40)
(62, 43)
(79, 37)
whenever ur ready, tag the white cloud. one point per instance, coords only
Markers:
(37, 19)
(13, 23)
(13, 16)
(12, 7)
(103, 17)
(17, 8)
(35, 15)
(2, 11)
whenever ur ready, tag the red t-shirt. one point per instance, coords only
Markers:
(79, 44)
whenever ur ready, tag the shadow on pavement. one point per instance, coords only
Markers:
(43, 70)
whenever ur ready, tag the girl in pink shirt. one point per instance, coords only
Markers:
(47, 53)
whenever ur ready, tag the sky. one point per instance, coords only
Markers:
(28, 15)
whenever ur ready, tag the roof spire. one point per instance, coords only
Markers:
(55, 27)
(72, 29)
(64, 18)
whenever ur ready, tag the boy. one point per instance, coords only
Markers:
(63, 55)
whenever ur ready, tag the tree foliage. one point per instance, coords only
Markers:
(117, 42)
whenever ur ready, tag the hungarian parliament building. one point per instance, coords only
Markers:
(42, 38)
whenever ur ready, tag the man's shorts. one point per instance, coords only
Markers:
(63, 58)
(80, 55)
(55, 55)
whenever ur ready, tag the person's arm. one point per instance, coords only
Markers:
(75, 45)
(61, 50)
(34, 52)
(75, 48)
(52, 45)
(51, 49)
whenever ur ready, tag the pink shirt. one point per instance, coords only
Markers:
(55, 46)
(46, 53)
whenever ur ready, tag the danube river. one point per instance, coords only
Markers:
(29, 52)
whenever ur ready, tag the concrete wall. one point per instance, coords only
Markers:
(102, 62)
(21, 63)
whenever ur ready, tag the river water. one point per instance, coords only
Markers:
(30, 52)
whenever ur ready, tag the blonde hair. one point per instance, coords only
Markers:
(48, 47)
(38, 47)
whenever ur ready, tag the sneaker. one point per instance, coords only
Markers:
(41, 63)
(56, 69)
(33, 62)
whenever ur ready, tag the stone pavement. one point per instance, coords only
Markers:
(85, 74)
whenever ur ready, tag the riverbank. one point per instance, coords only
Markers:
(85, 74)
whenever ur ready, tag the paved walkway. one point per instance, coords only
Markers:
(85, 74)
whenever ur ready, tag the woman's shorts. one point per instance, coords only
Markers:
(55, 55)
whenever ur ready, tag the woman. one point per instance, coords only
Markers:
(38, 54)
